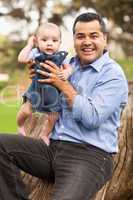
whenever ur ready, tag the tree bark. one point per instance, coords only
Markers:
(120, 187)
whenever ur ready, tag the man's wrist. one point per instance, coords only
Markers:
(69, 92)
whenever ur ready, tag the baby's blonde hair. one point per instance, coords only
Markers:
(47, 25)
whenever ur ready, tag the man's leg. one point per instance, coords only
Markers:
(80, 171)
(19, 152)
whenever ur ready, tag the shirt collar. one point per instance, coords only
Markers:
(97, 65)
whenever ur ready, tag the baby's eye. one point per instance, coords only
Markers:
(55, 40)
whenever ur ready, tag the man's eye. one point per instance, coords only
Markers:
(79, 37)
(94, 36)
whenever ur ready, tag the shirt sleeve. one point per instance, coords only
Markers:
(107, 97)
(34, 53)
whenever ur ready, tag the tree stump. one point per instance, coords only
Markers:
(39, 190)
(120, 187)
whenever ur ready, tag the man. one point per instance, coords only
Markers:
(79, 157)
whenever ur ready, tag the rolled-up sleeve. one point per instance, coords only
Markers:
(107, 96)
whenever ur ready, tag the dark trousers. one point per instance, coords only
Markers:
(78, 170)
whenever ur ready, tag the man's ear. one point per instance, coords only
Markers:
(105, 39)
(105, 36)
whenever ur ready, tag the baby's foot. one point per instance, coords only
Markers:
(21, 131)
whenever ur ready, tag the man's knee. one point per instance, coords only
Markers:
(2, 141)
(7, 141)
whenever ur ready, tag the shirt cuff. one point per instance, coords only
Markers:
(77, 107)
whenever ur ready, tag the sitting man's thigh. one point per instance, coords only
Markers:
(30, 155)
(80, 173)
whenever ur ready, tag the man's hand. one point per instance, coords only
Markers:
(32, 72)
(52, 77)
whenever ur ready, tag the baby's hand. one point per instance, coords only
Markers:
(65, 72)
(32, 41)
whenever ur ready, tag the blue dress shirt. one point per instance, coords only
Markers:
(95, 115)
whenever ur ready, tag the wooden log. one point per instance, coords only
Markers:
(120, 187)
(39, 190)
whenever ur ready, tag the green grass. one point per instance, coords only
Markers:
(8, 111)
(127, 66)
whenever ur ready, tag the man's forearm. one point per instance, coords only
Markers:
(69, 92)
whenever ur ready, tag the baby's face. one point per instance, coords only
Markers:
(48, 40)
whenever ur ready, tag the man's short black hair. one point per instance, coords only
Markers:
(88, 17)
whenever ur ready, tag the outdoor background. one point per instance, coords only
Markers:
(20, 18)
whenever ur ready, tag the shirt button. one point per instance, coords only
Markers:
(60, 136)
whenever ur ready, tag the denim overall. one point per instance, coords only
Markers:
(44, 97)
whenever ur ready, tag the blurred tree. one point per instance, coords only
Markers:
(8, 54)
(20, 9)
(118, 12)
(120, 16)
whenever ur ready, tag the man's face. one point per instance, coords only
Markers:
(89, 41)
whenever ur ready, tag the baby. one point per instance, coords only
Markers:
(44, 45)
